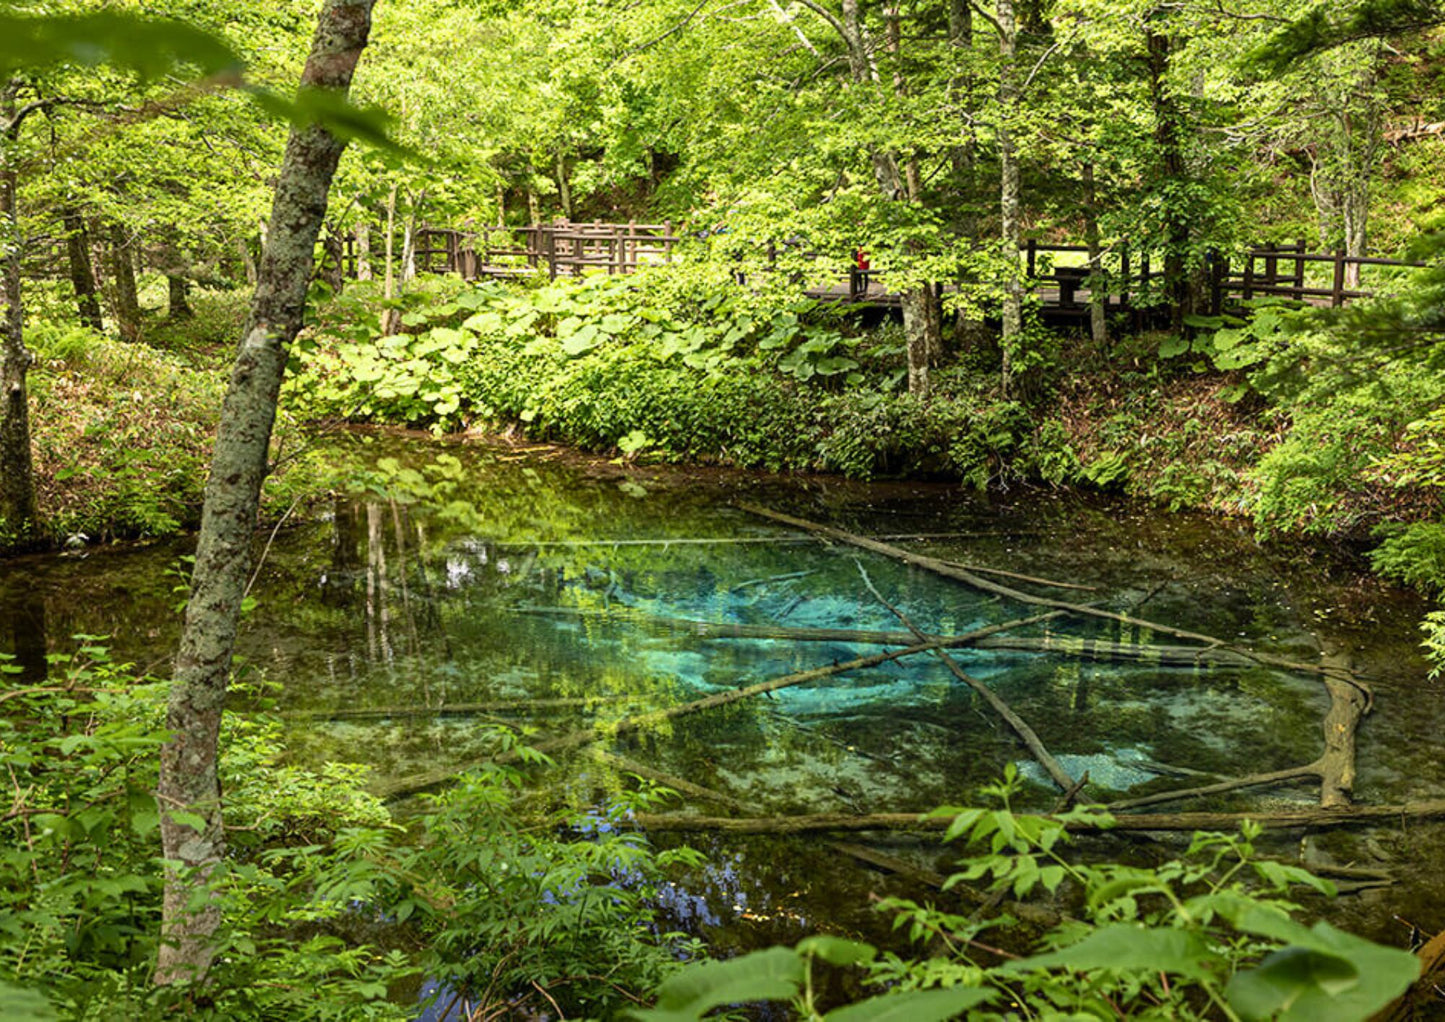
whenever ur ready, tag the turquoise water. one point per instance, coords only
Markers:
(533, 583)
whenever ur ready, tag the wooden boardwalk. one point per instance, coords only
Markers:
(1055, 274)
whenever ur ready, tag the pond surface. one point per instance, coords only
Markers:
(546, 587)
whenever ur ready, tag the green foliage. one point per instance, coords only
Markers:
(327, 899)
(1205, 935)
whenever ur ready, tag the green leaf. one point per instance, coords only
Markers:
(20, 1005)
(774, 974)
(148, 47)
(1130, 948)
(838, 950)
(1329, 976)
(914, 1006)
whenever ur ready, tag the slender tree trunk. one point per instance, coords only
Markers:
(1356, 215)
(248, 263)
(1098, 291)
(363, 251)
(17, 475)
(82, 273)
(972, 333)
(188, 778)
(333, 260)
(390, 318)
(921, 320)
(564, 189)
(1168, 137)
(178, 301)
(122, 271)
(408, 248)
(1008, 95)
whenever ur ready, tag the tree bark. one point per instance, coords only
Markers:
(363, 251)
(1008, 96)
(390, 318)
(126, 304)
(189, 786)
(564, 189)
(82, 273)
(1168, 138)
(178, 302)
(17, 474)
(1098, 290)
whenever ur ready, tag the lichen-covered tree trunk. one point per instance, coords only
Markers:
(82, 273)
(17, 476)
(188, 777)
(1013, 289)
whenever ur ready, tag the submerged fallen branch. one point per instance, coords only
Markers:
(454, 709)
(1021, 728)
(868, 856)
(1064, 645)
(416, 783)
(973, 579)
(823, 823)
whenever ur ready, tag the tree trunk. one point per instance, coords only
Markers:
(82, 274)
(1168, 137)
(972, 333)
(363, 251)
(178, 303)
(390, 318)
(126, 305)
(248, 264)
(564, 190)
(1098, 290)
(1008, 95)
(333, 260)
(1356, 210)
(188, 778)
(17, 475)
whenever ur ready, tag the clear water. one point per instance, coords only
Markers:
(467, 573)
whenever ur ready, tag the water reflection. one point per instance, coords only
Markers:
(453, 589)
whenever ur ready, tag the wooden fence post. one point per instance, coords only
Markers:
(1032, 258)
(1271, 265)
(1248, 275)
(1337, 291)
(1124, 280)
(1299, 266)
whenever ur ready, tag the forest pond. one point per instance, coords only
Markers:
(465, 584)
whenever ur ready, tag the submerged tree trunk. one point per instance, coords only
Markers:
(1013, 289)
(189, 787)
(126, 302)
(17, 475)
(82, 273)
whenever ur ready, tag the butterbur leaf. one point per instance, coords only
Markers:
(774, 974)
(914, 1006)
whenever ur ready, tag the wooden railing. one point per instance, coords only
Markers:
(1131, 276)
(559, 250)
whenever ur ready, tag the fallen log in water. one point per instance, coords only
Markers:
(454, 709)
(860, 853)
(1063, 645)
(415, 783)
(821, 823)
(948, 570)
